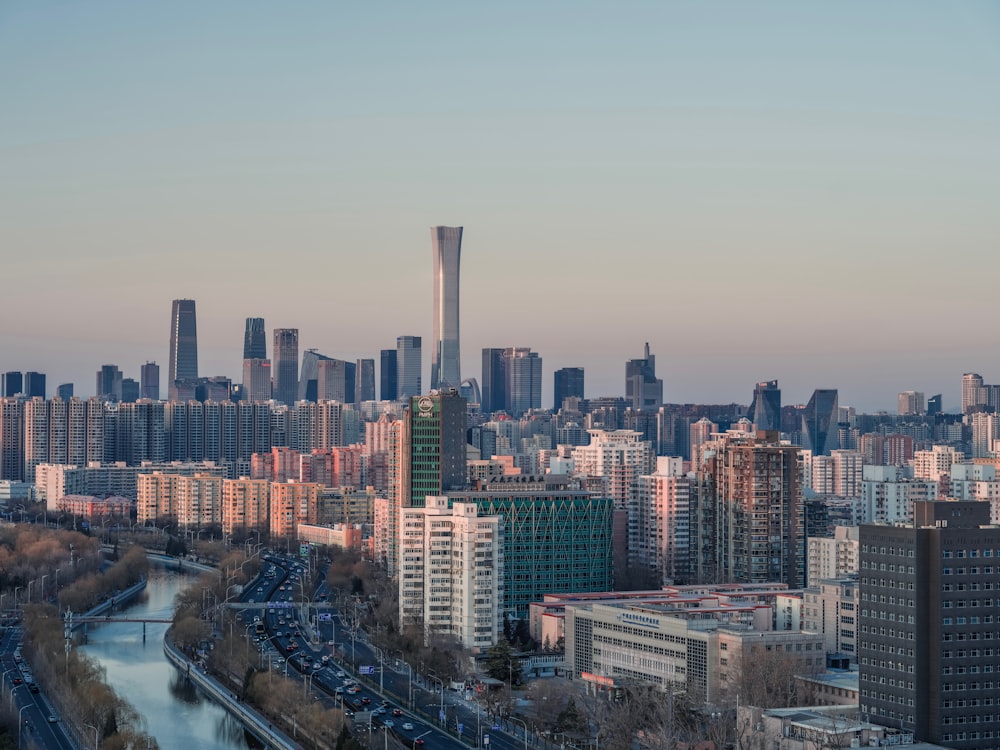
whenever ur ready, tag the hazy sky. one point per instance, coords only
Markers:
(801, 191)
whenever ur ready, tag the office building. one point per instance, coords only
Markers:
(910, 403)
(183, 342)
(452, 572)
(747, 515)
(149, 381)
(285, 366)
(65, 391)
(12, 384)
(934, 405)
(523, 373)
(819, 422)
(109, 383)
(494, 383)
(335, 380)
(568, 384)
(554, 539)
(927, 654)
(388, 383)
(34, 385)
(643, 390)
(408, 367)
(445, 356)
(434, 442)
(765, 408)
(255, 339)
(364, 388)
(257, 379)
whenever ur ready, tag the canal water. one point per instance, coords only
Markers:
(178, 716)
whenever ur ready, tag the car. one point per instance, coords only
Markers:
(418, 741)
(356, 703)
(32, 687)
(397, 712)
(53, 718)
(384, 702)
(389, 723)
(339, 690)
(18, 681)
(366, 700)
(408, 726)
(341, 674)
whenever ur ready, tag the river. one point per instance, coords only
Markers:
(176, 714)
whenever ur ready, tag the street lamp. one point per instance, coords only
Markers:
(523, 724)
(16, 589)
(20, 725)
(96, 738)
(43, 587)
(441, 683)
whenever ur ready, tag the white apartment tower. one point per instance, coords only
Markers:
(451, 572)
(660, 538)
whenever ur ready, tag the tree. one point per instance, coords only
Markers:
(501, 664)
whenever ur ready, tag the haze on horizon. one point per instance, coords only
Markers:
(760, 190)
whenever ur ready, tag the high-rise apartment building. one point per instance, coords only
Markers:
(973, 392)
(747, 517)
(819, 422)
(928, 661)
(183, 342)
(523, 371)
(643, 390)
(149, 381)
(568, 383)
(285, 361)
(388, 383)
(660, 540)
(255, 339)
(494, 383)
(445, 357)
(12, 439)
(453, 571)
(408, 366)
(765, 409)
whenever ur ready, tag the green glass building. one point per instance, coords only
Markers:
(554, 541)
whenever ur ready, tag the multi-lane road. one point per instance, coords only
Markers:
(302, 635)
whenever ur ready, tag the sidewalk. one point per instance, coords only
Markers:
(255, 722)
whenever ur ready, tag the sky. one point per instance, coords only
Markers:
(800, 191)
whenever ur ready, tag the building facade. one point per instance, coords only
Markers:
(445, 356)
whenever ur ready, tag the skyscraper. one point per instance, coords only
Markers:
(109, 383)
(434, 447)
(819, 422)
(286, 365)
(255, 339)
(388, 383)
(445, 357)
(524, 379)
(568, 383)
(149, 381)
(765, 409)
(34, 384)
(65, 391)
(183, 342)
(642, 388)
(364, 387)
(13, 383)
(494, 383)
(408, 364)
(257, 379)
(910, 403)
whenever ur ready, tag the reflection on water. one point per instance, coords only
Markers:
(175, 713)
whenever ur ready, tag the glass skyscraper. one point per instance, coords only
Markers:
(445, 356)
(285, 365)
(183, 342)
(255, 339)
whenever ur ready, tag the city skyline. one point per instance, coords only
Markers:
(766, 192)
